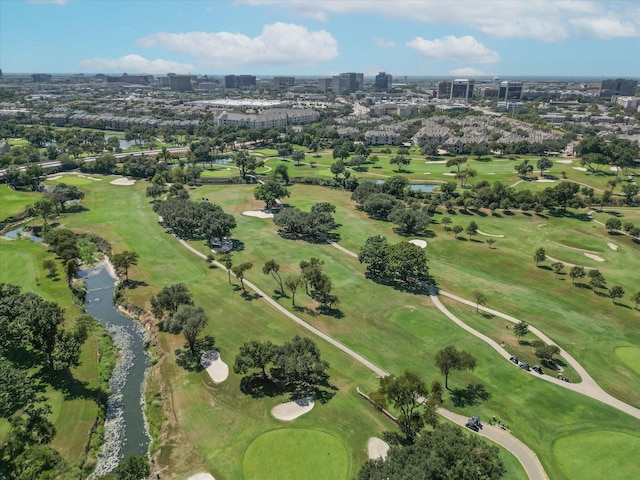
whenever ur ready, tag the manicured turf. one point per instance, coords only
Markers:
(294, 453)
(618, 459)
(75, 180)
(630, 356)
(14, 202)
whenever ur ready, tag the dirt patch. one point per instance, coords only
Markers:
(201, 476)
(377, 448)
(292, 410)
(258, 213)
(594, 257)
(122, 181)
(613, 246)
(419, 243)
(215, 367)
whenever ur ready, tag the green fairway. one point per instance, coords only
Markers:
(630, 356)
(618, 454)
(14, 202)
(75, 180)
(293, 453)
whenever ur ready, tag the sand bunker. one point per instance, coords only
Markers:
(545, 180)
(122, 181)
(292, 410)
(566, 162)
(55, 177)
(615, 169)
(449, 174)
(258, 213)
(612, 246)
(420, 243)
(201, 476)
(215, 367)
(489, 234)
(581, 169)
(377, 448)
(594, 257)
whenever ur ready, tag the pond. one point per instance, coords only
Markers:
(126, 431)
(418, 187)
(124, 144)
(21, 233)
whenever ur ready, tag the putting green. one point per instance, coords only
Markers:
(613, 455)
(73, 180)
(630, 356)
(293, 453)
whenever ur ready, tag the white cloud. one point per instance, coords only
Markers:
(544, 20)
(136, 64)
(459, 49)
(467, 72)
(278, 44)
(384, 43)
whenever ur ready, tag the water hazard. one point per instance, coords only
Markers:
(126, 432)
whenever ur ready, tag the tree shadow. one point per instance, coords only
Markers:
(305, 310)
(250, 296)
(76, 209)
(238, 245)
(396, 439)
(487, 315)
(496, 214)
(259, 386)
(70, 387)
(473, 394)
(133, 284)
(331, 312)
(544, 267)
(185, 359)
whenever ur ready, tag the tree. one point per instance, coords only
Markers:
(523, 169)
(310, 272)
(456, 162)
(50, 264)
(246, 163)
(480, 299)
(410, 220)
(337, 169)
(170, 298)
(444, 453)
(63, 193)
(596, 279)
(546, 352)
(472, 229)
(408, 394)
(240, 270)
(544, 164)
(401, 161)
(557, 267)
(292, 283)
(630, 190)
(227, 261)
(283, 171)
(298, 363)
(193, 320)
(576, 272)
(269, 192)
(539, 256)
(255, 354)
(446, 221)
(408, 263)
(124, 261)
(44, 208)
(613, 224)
(457, 230)
(374, 254)
(41, 321)
(271, 267)
(636, 298)
(616, 292)
(521, 329)
(298, 156)
(70, 270)
(449, 359)
(490, 242)
(135, 467)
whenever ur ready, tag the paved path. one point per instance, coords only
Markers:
(524, 454)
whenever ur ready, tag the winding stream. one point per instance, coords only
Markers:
(126, 431)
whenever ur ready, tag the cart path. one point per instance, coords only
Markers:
(587, 387)
(520, 450)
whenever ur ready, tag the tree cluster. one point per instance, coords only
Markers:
(296, 365)
(315, 224)
(195, 220)
(402, 261)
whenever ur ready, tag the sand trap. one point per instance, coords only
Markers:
(56, 177)
(420, 243)
(258, 213)
(201, 476)
(449, 174)
(377, 448)
(594, 257)
(490, 234)
(436, 161)
(545, 180)
(612, 246)
(615, 169)
(122, 181)
(216, 368)
(581, 169)
(566, 162)
(292, 410)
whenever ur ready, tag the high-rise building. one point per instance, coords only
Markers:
(239, 81)
(180, 83)
(619, 86)
(282, 83)
(324, 84)
(347, 83)
(383, 82)
(41, 77)
(444, 89)
(510, 91)
(462, 89)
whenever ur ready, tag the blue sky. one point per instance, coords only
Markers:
(322, 37)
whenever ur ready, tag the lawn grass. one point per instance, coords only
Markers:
(293, 453)
(14, 202)
(74, 180)
(403, 332)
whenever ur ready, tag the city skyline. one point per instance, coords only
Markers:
(314, 38)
